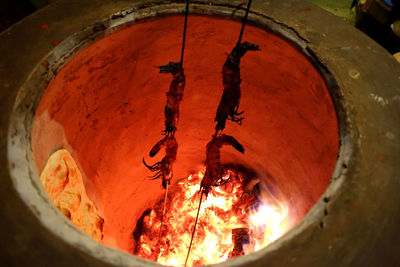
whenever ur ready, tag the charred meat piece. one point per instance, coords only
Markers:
(214, 170)
(229, 104)
(174, 96)
(164, 168)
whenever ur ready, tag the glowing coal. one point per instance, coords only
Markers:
(237, 218)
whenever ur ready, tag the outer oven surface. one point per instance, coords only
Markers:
(363, 185)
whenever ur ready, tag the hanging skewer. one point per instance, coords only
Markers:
(229, 104)
(214, 174)
(177, 86)
(164, 168)
(175, 93)
(227, 109)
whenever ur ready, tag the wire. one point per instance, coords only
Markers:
(162, 216)
(194, 228)
(184, 32)
(244, 23)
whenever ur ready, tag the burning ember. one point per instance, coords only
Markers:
(237, 218)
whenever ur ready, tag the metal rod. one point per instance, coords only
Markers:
(184, 32)
(244, 23)
(162, 216)
(194, 228)
(164, 209)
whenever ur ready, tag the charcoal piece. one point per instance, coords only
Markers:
(240, 237)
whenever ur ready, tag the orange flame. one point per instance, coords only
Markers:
(235, 219)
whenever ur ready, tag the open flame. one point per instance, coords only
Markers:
(237, 218)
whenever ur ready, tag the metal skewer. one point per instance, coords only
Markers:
(162, 216)
(180, 63)
(184, 32)
(194, 227)
(202, 192)
(244, 22)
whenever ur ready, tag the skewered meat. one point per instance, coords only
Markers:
(229, 104)
(174, 96)
(214, 170)
(164, 168)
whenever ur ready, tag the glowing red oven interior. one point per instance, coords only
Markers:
(105, 106)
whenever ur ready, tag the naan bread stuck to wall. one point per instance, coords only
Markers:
(63, 183)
